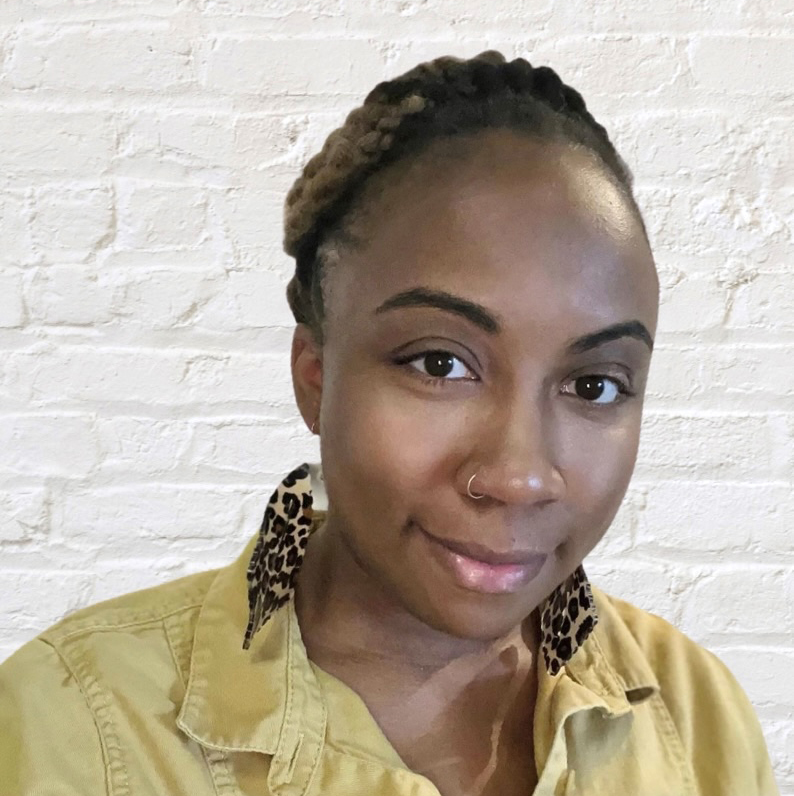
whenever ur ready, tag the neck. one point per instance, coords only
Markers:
(348, 618)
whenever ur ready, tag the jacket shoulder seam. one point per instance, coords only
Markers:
(112, 616)
(64, 634)
(83, 687)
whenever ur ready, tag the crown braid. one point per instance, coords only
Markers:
(442, 98)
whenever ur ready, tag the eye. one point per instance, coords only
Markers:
(596, 388)
(439, 366)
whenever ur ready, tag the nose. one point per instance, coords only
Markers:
(518, 463)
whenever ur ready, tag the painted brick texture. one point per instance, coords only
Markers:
(146, 406)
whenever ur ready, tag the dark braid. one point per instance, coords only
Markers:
(443, 98)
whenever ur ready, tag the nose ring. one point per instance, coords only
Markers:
(468, 489)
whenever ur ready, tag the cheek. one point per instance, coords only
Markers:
(373, 457)
(597, 463)
(383, 435)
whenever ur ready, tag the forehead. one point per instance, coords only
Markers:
(531, 230)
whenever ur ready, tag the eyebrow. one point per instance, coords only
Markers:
(492, 324)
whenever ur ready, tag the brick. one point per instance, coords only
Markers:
(241, 444)
(123, 58)
(264, 140)
(67, 219)
(163, 298)
(779, 736)
(252, 221)
(142, 444)
(273, 9)
(722, 518)
(89, 375)
(111, 581)
(15, 227)
(707, 446)
(767, 301)
(157, 217)
(54, 143)
(698, 221)
(252, 217)
(646, 16)
(742, 63)
(12, 11)
(175, 260)
(764, 673)
(248, 300)
(69, 295)
(728, 602)
(619, 537)
(771, 151)
(189, 138)
(152, 376)
(731, 377)
(267, 67)
(48, 445)
(696, 303)
(24, 514)
(12, 305)
(27, 597)
(664, 144)
(152, 521)
(618, 64)
(407, 54)
(646, 585)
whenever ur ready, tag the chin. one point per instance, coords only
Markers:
(479, 618)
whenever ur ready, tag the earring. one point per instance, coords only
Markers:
(314, 423)
(468, 489)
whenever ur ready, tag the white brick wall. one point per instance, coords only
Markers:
(145, 395)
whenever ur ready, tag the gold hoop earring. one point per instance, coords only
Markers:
(468, 489)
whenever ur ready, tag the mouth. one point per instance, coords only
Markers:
(481, 569)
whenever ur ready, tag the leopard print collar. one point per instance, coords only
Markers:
(568, 615)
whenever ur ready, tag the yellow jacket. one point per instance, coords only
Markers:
(154, 693)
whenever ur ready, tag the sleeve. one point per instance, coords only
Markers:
(742, 733)
(715, 720)
(49, 742)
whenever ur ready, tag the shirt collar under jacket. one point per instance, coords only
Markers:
(279, 704)
(299, 505)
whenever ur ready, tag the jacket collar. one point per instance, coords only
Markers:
(275, 705)
(262, 699)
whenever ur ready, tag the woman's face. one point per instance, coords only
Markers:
(553, 282)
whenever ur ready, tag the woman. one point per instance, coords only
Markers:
(476, 301)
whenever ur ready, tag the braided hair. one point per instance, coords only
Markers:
(444, 98)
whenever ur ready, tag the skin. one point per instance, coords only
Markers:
(539, 235)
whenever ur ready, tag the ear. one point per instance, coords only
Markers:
(307, 373)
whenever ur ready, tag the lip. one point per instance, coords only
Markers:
(485, 555)
(503, 573)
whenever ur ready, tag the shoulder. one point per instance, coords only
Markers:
(711, 712)
(133, 609)
(678, 662)
(105, 640)
(102, 640)
(69, 645)
(55, 691)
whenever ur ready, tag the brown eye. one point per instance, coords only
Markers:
(438, 365)
(598, 389)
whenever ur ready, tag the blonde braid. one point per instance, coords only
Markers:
(348, 151)
(440, 92)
